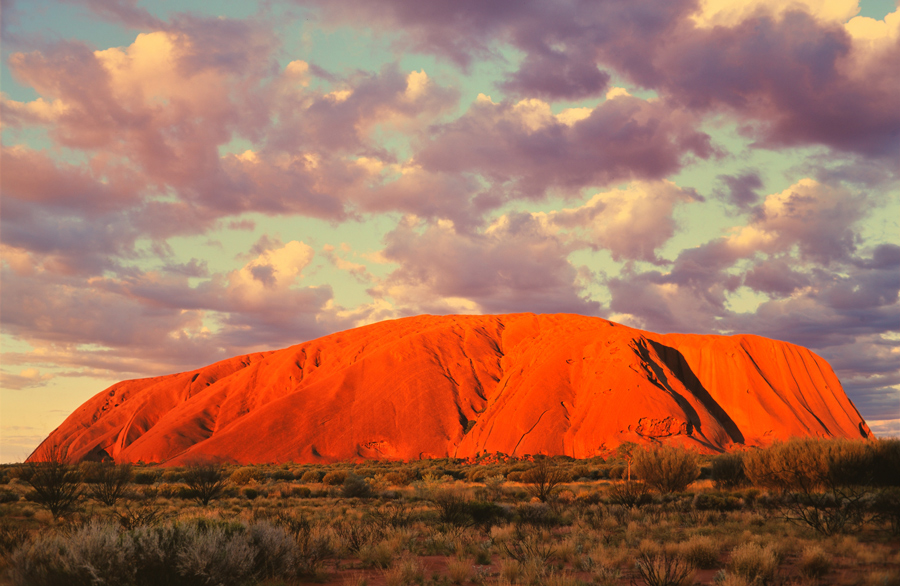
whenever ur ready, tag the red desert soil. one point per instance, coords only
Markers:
(438, 386)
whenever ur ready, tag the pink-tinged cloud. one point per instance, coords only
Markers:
(791, 77)
(817, 218)
(515, 264)
(525, 149)
(632, 223)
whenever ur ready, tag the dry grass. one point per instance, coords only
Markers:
(398, 538)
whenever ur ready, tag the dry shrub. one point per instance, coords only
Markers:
(754, 562)
(665, 468)
(205, 482)
(543, 479)
(407, 571)
(808, 464)
(882, 578)
(562, 579)
(377, 555)
(629, 493)
(459, 571)
(510, 570)
(728, 471)
(334, 478)
(311, 477)
(664, 569)
(814, 562)
(400, 477)
(55, 481)
(701, 551)
(244, 475)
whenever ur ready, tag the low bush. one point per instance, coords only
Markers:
(145, 477)
(8, 496)
(335, 478)
(705, 501)
(244, 475)
(109, 482)
(814, 562)
(663, 569)
(311, 477)
(205, 482)
(754, 563)
(665, 468)
(700, 551)
(629, 494)
(727, 471)
(355, 487)
(180, 554)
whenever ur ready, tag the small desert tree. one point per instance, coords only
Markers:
(110, 482)
(665, 468)
(543, 479)
(626, 451)
(55, 481)
(205, 481)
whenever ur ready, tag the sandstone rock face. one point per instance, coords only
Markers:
(438, 386)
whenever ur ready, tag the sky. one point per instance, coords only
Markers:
(182, 182)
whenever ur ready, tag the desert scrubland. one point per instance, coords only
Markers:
(802, 512)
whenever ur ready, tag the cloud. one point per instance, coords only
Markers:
(792, 74)
(817, 218)
(741, 189)
(27, 379)
(816, 289)
(515, 264)
(556, 75)
(633, 222)
(525, 151)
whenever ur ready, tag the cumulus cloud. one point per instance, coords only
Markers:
(792, 72)
(815, 217)
(524, 149)
(633, 222)
(515, 264)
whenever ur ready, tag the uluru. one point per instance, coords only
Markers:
(461, 385)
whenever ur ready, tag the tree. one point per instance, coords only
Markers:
(55, 481)
(543, 479)
(665, 468)
(110, 481)
(205, 482)
(626, 451)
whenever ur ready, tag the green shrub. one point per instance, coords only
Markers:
(283, 474)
